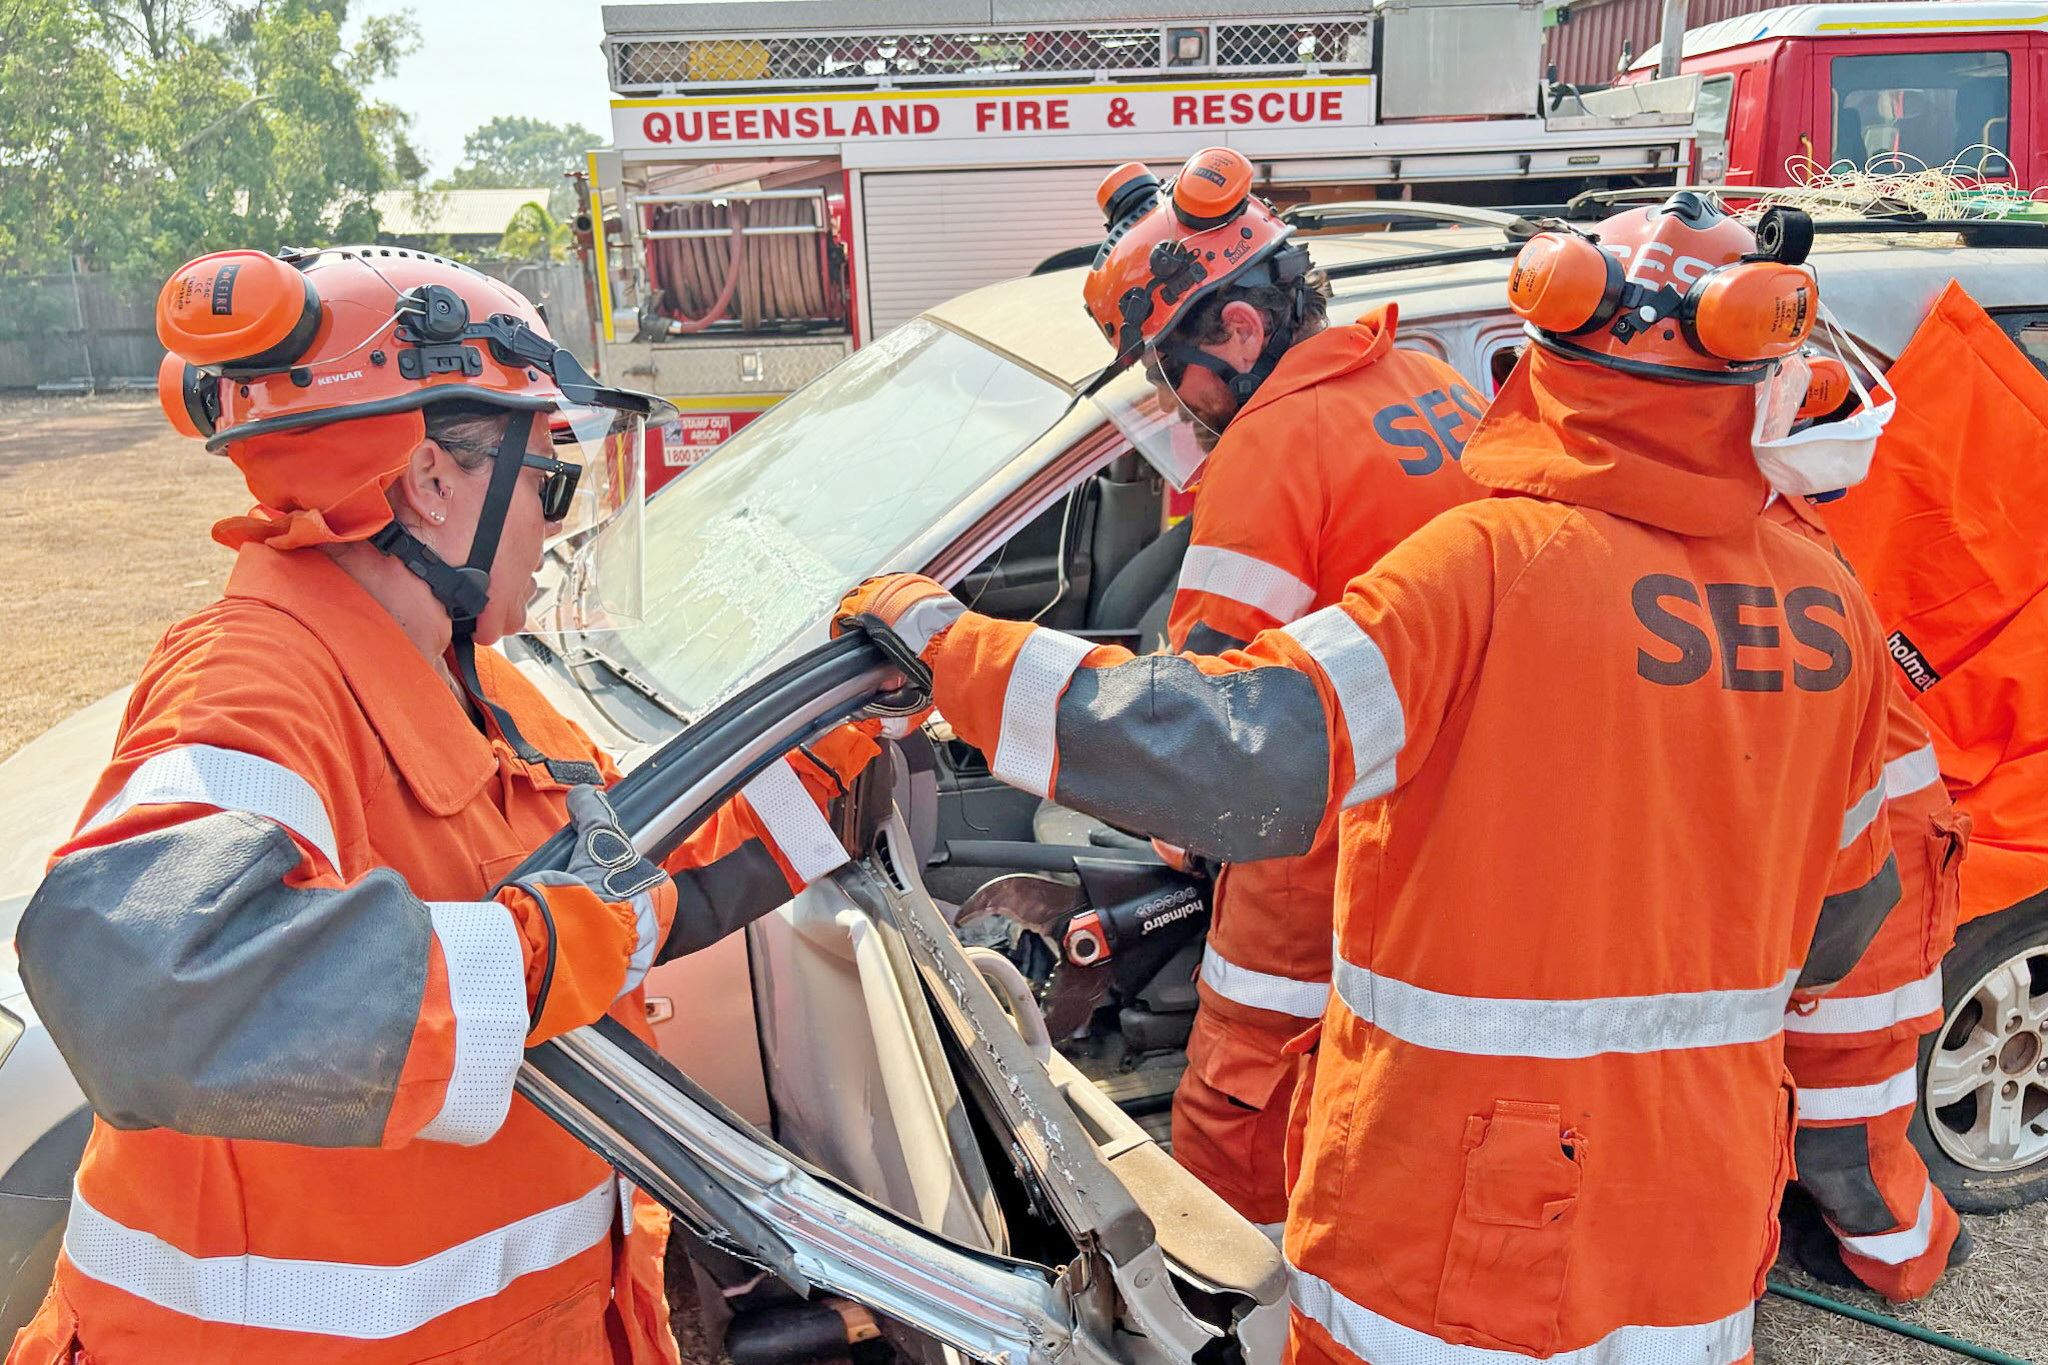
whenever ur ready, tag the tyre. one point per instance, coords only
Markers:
(1982, 1123)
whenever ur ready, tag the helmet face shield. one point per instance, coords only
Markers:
(1158, 425)
(591, 568)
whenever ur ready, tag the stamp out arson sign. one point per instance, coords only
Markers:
(965, 115)
(676, 446)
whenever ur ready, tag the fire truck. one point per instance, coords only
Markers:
(1885, 87)
(790, 179)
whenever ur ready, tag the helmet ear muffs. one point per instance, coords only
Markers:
(1565, 283)
(189, 396)
(238, 312)
(1750, 311)
(1827, 387)
(1212, 188)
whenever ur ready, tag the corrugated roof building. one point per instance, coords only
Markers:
(468, 218)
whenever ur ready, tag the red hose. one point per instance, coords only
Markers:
(686, 268)
(763, 279)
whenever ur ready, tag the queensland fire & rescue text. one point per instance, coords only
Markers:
(1092, 112)
(796, 122)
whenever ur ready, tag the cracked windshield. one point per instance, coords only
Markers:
(826, 488)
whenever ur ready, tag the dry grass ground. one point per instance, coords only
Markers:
(103, 533)
(1999, 1299)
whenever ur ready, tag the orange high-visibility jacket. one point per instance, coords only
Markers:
(1946, 534)
(1348, 447)
(271, 956)
(1631, 737)
(1296, 502)
(1854, 1053)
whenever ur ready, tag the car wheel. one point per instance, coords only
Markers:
(1982, 1124)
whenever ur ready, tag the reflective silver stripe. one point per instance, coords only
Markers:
(1496, 1026)
(487, 991)
(1911, 772)
(226, 779)
(926, 618)
(1863, 1013)
(1370, 1337)
(1365, 692)
(1897, 1248)
(1834, 1103)
(1247, 580)
(332, 1298)
(1862, 813)
(1263, 990)
(646, 941)
(793, 822)
(1028, 745)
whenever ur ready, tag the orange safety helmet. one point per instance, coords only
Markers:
(312, 369)
(1680, 290)
(1170, 246)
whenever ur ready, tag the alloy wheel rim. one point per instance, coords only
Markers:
(1986, 1088)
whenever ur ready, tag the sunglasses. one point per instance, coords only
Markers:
(557, 484)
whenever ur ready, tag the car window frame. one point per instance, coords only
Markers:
(699, 1160)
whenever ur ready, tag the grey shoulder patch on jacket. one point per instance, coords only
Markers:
(1848, 921)
(190, 988)
(1235, 766)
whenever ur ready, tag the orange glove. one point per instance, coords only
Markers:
(590, 931)
(916, 608)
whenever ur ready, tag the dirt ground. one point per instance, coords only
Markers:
(104, 513)
(103, 531)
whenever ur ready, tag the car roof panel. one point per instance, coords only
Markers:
(1882, 284)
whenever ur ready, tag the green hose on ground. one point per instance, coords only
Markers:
(1904, 1329)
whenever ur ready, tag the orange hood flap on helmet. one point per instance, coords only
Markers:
(321, 486)
(1336, 350)
(1665, 453)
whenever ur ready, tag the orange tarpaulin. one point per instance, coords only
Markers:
(1950, 537)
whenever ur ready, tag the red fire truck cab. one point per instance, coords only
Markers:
(1882, 87)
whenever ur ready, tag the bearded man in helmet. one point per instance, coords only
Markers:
(278, 952)
(1328, 446)
(1605, 752)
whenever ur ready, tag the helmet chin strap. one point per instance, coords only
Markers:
(1242, 384)
(466, 591)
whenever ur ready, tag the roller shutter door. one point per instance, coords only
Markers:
(934, 234)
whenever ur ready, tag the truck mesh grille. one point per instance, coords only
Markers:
(831, 60)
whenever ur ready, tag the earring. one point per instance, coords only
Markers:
(437, 517)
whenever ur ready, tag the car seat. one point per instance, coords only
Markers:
(1140, 597)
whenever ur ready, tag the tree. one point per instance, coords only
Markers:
(65, 136)
(139, 133)
(157, 24)
(511, 152)
(534, 235)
